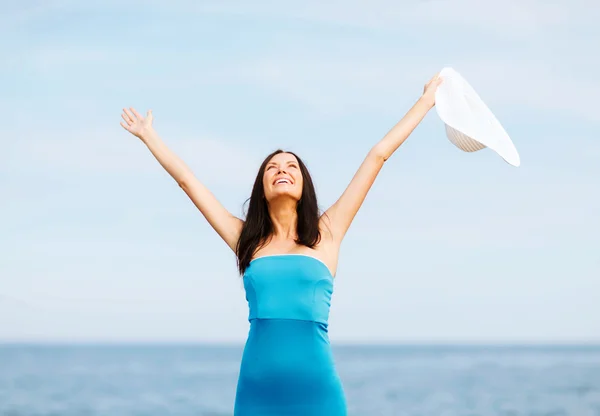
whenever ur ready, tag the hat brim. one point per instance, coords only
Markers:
(470, 125)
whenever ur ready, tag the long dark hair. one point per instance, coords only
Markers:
(258, 227)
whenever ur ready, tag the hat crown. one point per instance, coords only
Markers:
(470, 125)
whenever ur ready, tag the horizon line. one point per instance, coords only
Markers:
(347, 343)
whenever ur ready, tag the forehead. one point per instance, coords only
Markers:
(283, 158)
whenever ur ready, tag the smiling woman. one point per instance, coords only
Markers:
(287, 254)
(282, 179)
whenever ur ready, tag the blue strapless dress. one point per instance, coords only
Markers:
(287, 367)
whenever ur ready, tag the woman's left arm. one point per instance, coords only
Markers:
(340, 215)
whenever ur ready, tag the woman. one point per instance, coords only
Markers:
(287, 254)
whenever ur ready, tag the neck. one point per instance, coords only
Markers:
(284, 218)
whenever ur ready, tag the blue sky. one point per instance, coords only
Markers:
(99, 244)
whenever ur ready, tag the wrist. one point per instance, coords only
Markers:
(148, 136)
(427, 101)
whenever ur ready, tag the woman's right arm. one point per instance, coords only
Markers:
(224, 223)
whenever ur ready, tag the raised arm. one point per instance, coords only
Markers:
(224, 223)
(340, 215)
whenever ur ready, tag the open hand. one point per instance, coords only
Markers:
(135, 124)
(430, 88)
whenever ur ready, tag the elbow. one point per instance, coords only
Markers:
(183, 182)
(379, 153)
(184, 179)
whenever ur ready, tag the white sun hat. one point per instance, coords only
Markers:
(470, 125)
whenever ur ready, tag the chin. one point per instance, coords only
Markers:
(283, 194)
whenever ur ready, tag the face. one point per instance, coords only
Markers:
(282, 177)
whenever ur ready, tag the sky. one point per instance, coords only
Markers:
(99, 244)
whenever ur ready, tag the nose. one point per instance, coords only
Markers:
(281, 170)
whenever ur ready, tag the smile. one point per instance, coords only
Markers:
(282, 181)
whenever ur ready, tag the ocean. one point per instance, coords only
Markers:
(199, 380)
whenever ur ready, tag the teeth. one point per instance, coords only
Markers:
(282, 181)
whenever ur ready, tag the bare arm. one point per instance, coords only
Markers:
(343, 211)
(224, 223)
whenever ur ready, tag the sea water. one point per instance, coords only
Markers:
(200, 380)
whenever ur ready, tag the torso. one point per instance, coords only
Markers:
(287, 366)
(326, 251)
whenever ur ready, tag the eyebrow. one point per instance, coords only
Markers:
(289, 162)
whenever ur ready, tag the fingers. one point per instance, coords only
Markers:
(434, 78)
(435, 81)
(132, 118)
(127, 119)
(137, 115)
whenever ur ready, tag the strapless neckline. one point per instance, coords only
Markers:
(300, 255)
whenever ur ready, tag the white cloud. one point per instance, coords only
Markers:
(59, 58)
(508, 19)
(524, 75)
(335, 75)
(15, 14)
(534, 85)
(114, 151)
(334, 72)
(512, 18)
(336, 86)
